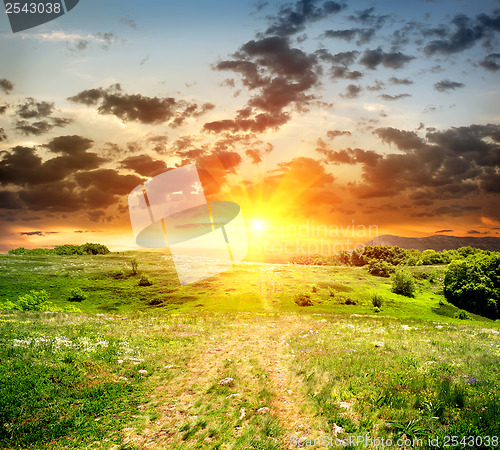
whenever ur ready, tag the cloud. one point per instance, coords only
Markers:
(399, 81)
(347, 156)
(491, 62)
(367, 16)
(393, 97)
(129, 22)
(38, 233)
(32, 109)
(404, 140)
(364, 34)
(36, 117)
(334, 133)
(139, 108)
(443, 231)
(6, 86)
(108, 181)
(447, 85)
(352, 91)
(144, 165)
(22, 166)
(69, 145)
(340, 64)
(466, 33)
(393, 60)
(454, 163)
(280, 76)
(3, 136)
(292, 19)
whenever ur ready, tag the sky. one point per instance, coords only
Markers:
(329, 121)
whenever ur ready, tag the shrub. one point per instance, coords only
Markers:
(118, 273)
(403, 283)
(462, 315)
(134, 264)
(377, 301)
(377, 309)
(145, 281)
(77, 295)
(380, 268)
(33, 301)
(303, 299)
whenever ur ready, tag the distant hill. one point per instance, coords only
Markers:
(437, 242)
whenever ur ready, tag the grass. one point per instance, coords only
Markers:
(141, 366)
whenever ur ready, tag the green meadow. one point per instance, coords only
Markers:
(263, 356)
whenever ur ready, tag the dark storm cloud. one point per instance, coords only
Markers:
(9, 200)
(144, 165)
(6, 85)
(69, 145)
(3, 136)
(453, 163)
(392, 60)
(293, 18)
(108, 181)
(466, 32)
(447, 85)
(352, 91)
(491, 62)
(404, 140)
(22, 166)
(393, 97)
(280, 75)
(139, 108)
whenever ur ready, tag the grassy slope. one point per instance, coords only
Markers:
(73, 380)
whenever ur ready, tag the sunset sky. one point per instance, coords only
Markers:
(310, 113)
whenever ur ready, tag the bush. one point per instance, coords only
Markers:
(403, 283)
(145, 281)
(380, 268)
(77, 295)
(33, 301)
(303, 299)
(118, 274)
(462, 315)
(134, 264)
(377, 301)
(473, 284)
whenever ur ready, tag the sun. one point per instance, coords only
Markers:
(258, 225)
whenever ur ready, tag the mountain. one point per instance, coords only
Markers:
(437, 242)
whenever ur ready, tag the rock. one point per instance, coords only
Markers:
(227, 382)
(263, 410)
(142, 372)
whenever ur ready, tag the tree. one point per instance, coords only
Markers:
(473, 284)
